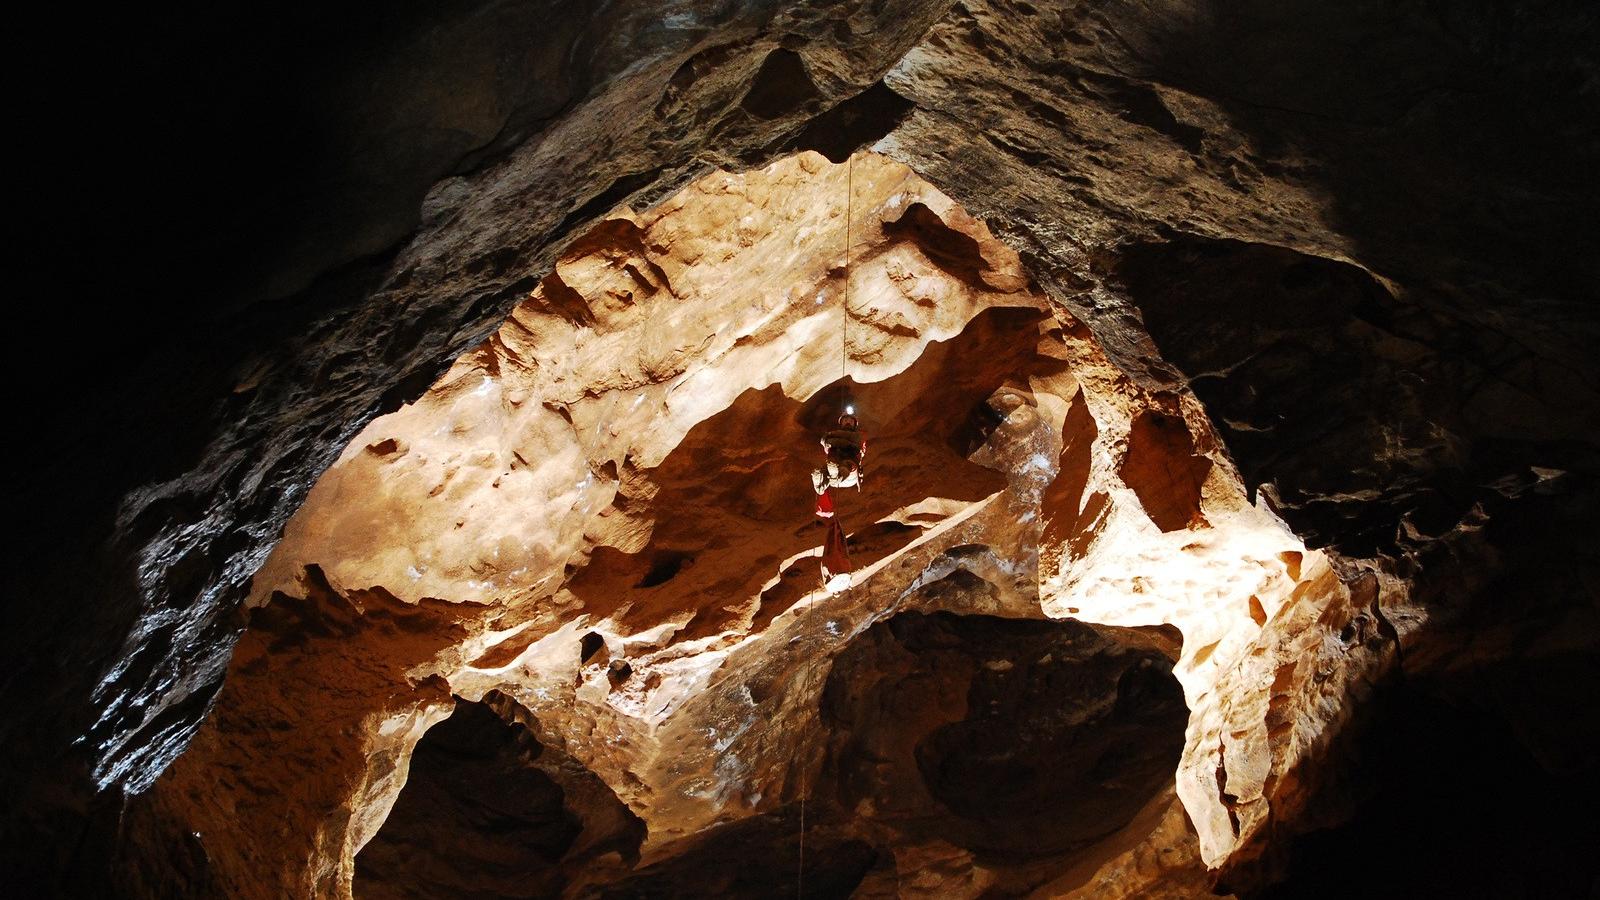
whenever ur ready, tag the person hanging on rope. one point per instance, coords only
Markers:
(844, 448)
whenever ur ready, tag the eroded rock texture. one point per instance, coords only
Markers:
(1334, 259)
(602, 517)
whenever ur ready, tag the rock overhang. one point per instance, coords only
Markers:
(601, 515)
(1127, 141)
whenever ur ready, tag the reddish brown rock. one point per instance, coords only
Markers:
(605, 513)
(1347, 247)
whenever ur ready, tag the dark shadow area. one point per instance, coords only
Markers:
(487, 812)
(952, 250)
(854, 123)
(1456, 142)
(1274, 343)
(474, 817)
(754, 859)
(1460, 809)
(1357, 409)
(1072, 520)
(1166, 472)
(1454, 147)
(1362, 412)
(781, 86)
(663, 569)
(259, 154)
(1381, 426)
(1020, 740)
(1477, 770)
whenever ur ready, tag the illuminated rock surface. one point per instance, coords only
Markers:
(1332, 264)
(602, 519)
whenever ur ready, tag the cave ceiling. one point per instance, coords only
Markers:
(1294, 301)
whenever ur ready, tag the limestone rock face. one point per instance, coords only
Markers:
(603, 520)
(1278, 336)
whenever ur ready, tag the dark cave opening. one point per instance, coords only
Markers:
(1016, 739)
(488, 812)
(1449, 147)
(475, 817)
(664, 567)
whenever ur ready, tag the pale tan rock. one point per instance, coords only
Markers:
(622, 467)
(1398, 390)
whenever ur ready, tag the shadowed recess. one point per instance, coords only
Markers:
(1012, 738)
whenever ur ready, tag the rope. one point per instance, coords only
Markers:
(800, 876)
(844, 397)
(844, 306)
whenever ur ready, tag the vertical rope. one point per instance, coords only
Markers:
(800, 875)
(844, 396)
(844, 306)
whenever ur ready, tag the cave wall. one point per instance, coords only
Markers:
(601, 510)
(1444, 152)
(221, 414)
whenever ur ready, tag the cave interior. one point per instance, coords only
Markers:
(421, 407)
